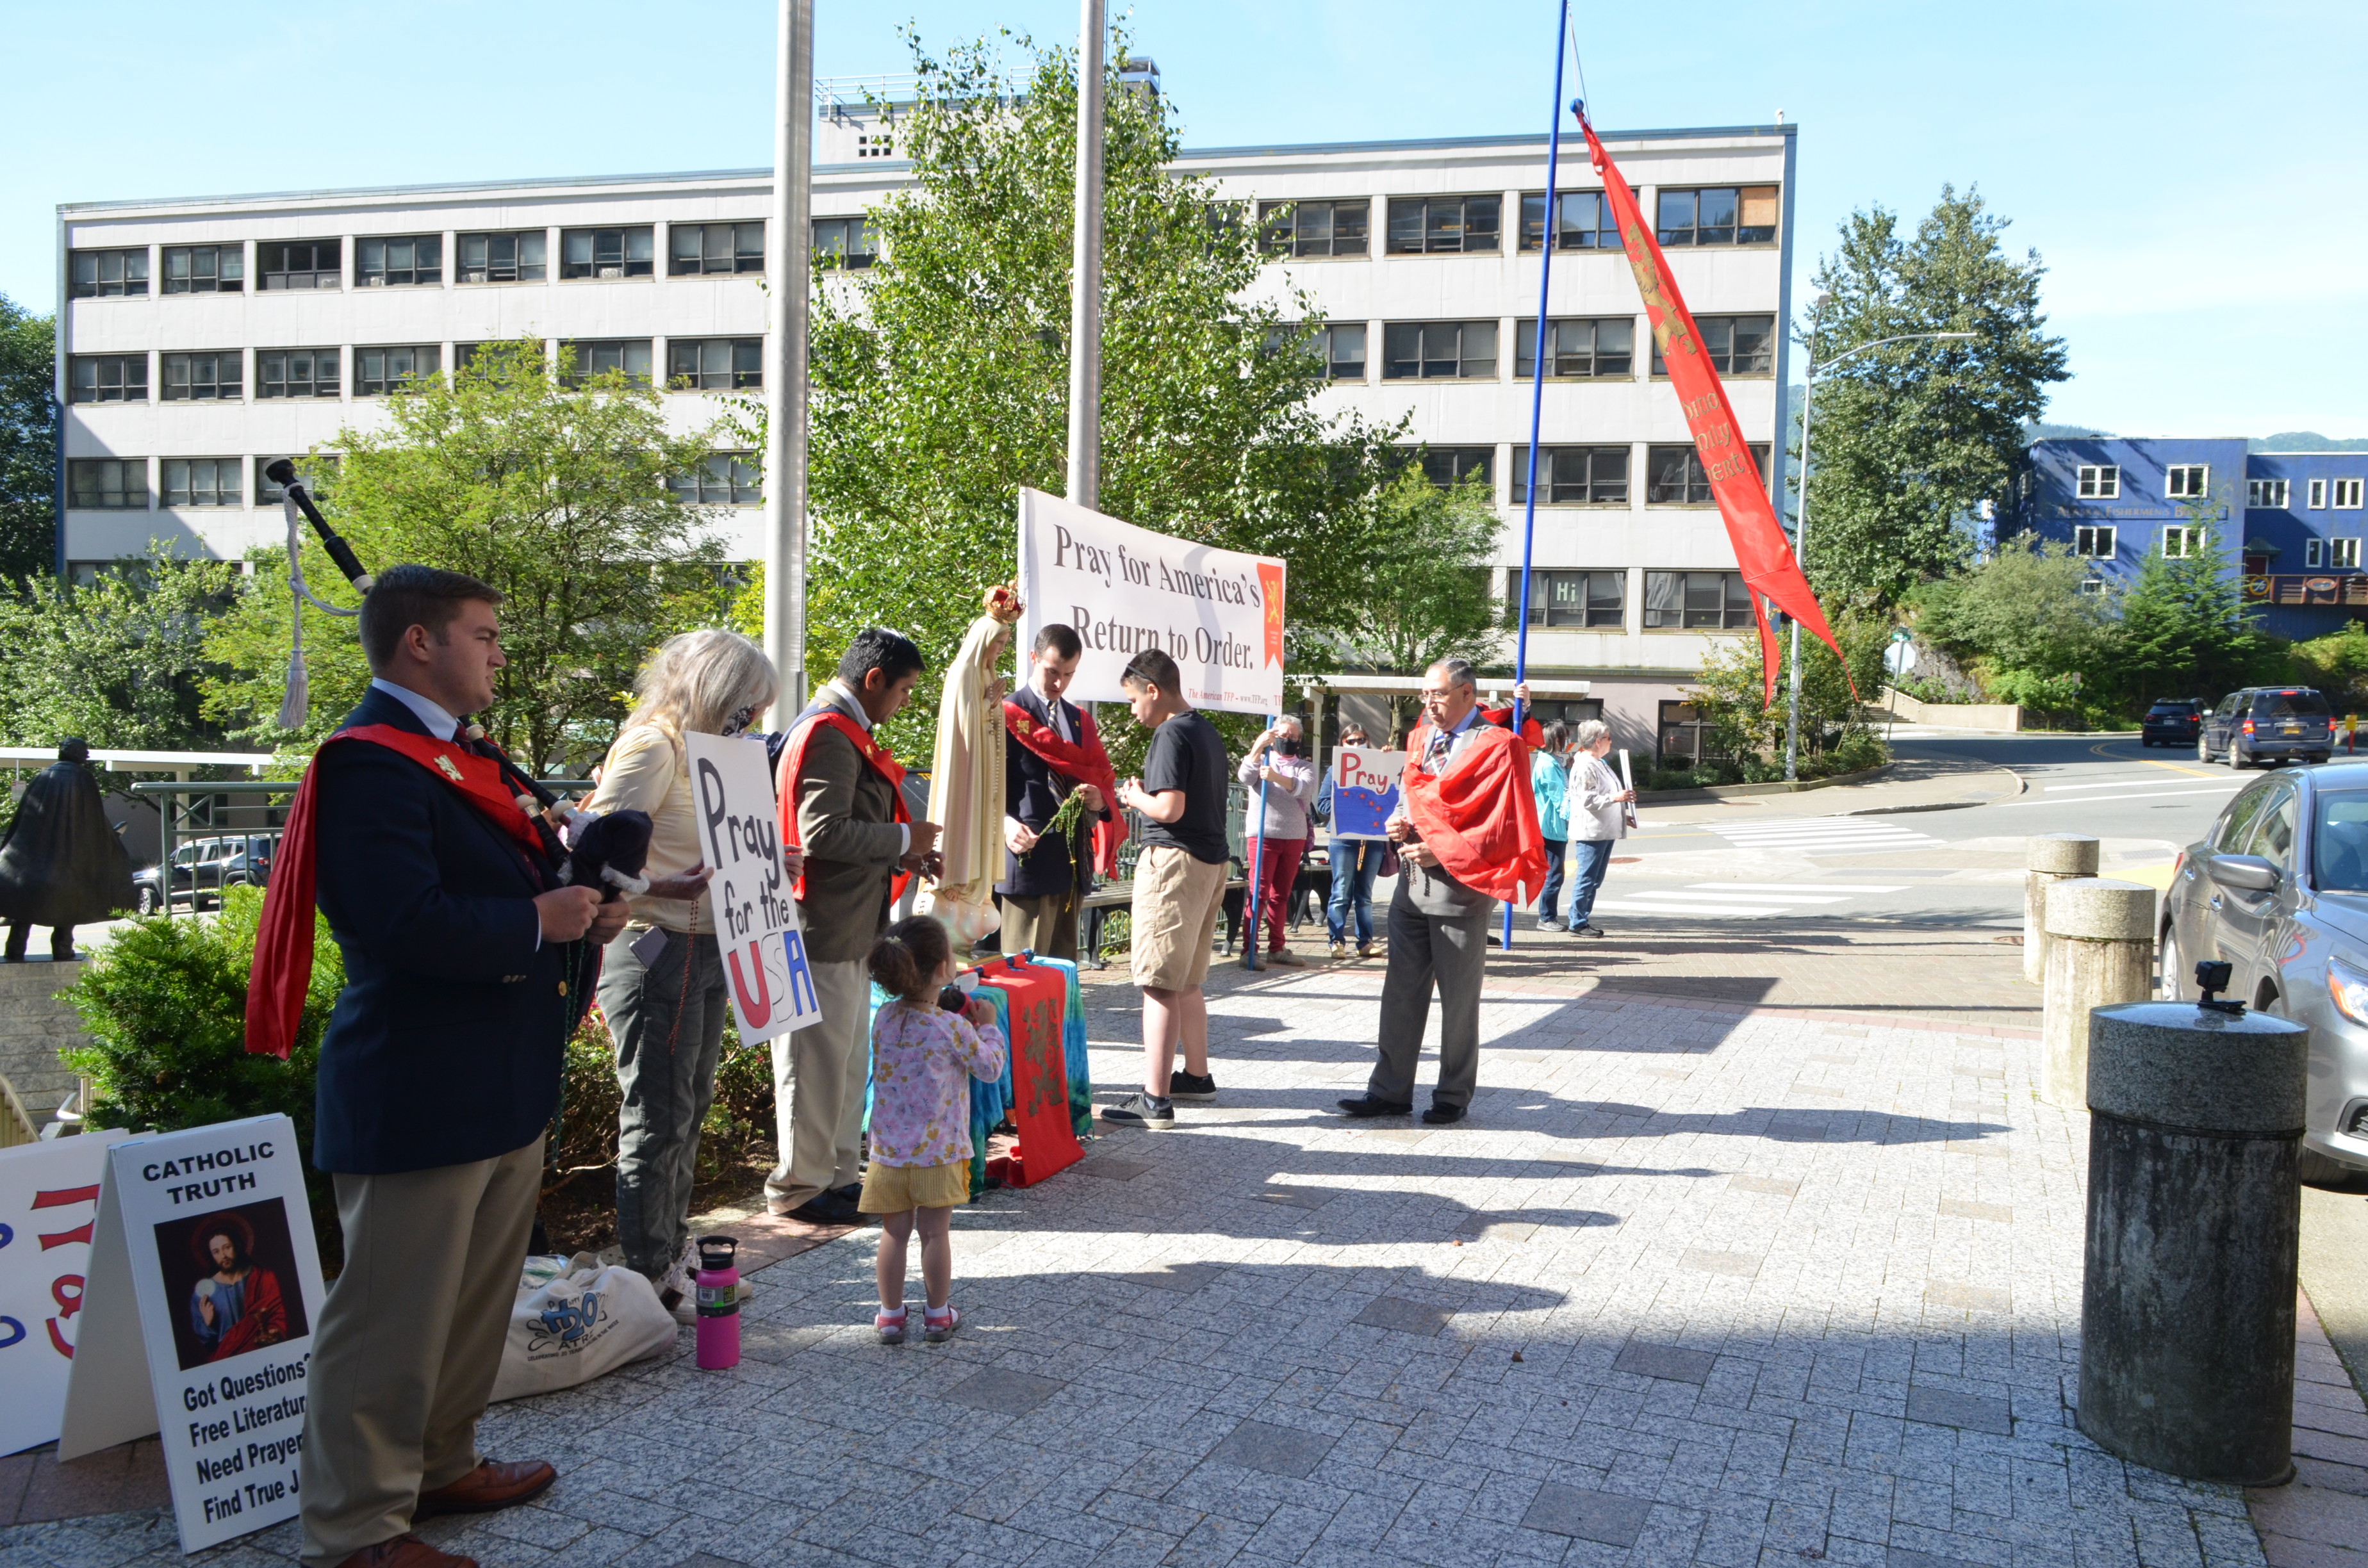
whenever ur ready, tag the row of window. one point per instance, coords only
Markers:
(2193, 481)
(1586, 476)
(1451, 225)
(693, 363)
(398, 261)
(1577, 349)
(121, 484)
(2102, 541)
(1674, 601)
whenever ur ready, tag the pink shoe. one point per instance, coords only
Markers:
(890, 1326)
(938, 1324)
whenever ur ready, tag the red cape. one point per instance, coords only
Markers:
(1083, 763)
(882, 761)
(1531, 731)
(282, 972)
(1477, 813)
(264, 1323)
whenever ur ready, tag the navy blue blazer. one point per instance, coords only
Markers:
(448, 1041)
(1031, 793)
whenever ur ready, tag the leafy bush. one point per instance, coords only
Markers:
(739, 1130)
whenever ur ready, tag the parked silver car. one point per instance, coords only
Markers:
(2279, 890)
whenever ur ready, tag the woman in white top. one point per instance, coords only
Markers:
(1597, 803)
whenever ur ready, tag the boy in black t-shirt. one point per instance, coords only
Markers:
(1179, 888)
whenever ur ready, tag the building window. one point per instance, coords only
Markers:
(310, 468)
(630, 355)
(1434, 350)
(1341, 345)
(503, 259)
(1441, 224)
(296, 372)
(1449, 466)
(715, 364)
(109, 485)
(1725, 215)
(1674, 476)
(1601, 348)
(607, 253)
(108, 377)
(2186, 482)
(401, 261)
(2095, 543)
(1736, 345)
(2268, 492)
(725, 479)
(2347, 494)
(1572, 476)
(202, 482)
(1686, 736)
(2182, 543)
(695, 250)
(1696, 601)
(2092, 584)
(205, 270)
(2343, 554)
(203, 376)
(109, 273)
(2318, 494)
(299, 264)
(850, 242)
(379, 370)
(1313, 228)
(2313, 555)
(1573, 599)
(1586, 221)
(2100, 482)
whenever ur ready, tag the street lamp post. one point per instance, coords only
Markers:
(1801, 518)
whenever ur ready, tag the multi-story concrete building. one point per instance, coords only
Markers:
(201, 338)
(2287, 524)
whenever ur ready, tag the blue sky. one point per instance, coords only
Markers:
(2188, 172)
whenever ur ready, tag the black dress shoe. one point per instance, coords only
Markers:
(1443, 1115)
(829, 1209)
(1366, 1105)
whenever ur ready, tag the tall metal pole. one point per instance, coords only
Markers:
(785, 385)
(1086, 266)
(1549, 235)
(1801, 554)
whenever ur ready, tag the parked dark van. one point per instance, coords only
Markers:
(2268, 724)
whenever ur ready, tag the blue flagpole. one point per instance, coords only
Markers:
(1538, 349)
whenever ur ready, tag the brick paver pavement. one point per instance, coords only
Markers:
(1693, 1285)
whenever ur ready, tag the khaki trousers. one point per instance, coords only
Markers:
(820, 1075)
(1045, 925)
(409, 1341)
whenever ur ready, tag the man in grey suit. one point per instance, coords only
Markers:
(845, 792)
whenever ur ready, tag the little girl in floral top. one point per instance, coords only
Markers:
(922, 1060)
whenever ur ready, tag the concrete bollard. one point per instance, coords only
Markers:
(2049, 857)
(2099, 952)
(2187, 1307)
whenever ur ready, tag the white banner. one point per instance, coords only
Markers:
(1217, 613)
(754, 919)
(49, 1203)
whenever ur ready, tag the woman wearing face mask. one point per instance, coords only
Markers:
(1281, 781)
(662, 983)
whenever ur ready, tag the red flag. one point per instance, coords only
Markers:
(1760, 548)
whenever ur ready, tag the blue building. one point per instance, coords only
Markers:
(2288, 524)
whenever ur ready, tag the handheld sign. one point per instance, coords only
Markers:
(204, 1252)
(49, 1207)
(756, 918)
(1365, 790)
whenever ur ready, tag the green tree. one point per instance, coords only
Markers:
(2337, 666)
(2185, 630)
(29, 443)
(1424, 556)
(552, 490)
(2024, 623)
(940, 372)
(1911, 438)
(120, 663)
(1833, 737)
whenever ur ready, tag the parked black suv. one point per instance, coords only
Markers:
(2268, 724)
(202, 868)
(2172, 721)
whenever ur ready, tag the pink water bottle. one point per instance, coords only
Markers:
(719, 1304)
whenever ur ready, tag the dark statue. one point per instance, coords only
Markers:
(62, 865)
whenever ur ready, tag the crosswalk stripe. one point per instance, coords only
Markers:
(1800, 887)
(1626, 907)
(1748, 897)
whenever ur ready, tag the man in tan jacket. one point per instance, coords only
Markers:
(842, 801)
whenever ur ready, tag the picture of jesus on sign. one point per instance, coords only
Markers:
(236, 1301)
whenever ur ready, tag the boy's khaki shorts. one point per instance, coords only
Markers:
(1176, 901)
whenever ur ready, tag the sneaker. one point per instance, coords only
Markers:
(1286, 958)
(937, 1324)
(1549, 925)
(678, 1289)
(1183, 1086)
(1339, 951)
(1369, 949)
(890, 1326)
(1589, 930)
(1142, 1110)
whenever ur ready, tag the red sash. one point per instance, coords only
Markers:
(871, 751)
(1081, 762)
(1477, 813)
(283, 942)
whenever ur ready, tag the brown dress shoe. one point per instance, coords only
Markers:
(495, 1483)
(405, 1552)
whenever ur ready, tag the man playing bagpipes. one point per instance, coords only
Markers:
(1059, 755)
(467, 964)
(1467, 831)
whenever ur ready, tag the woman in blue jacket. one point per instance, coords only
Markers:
(1550, 782)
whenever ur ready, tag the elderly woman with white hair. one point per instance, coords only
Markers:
(1599, 819)
(662, 983)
